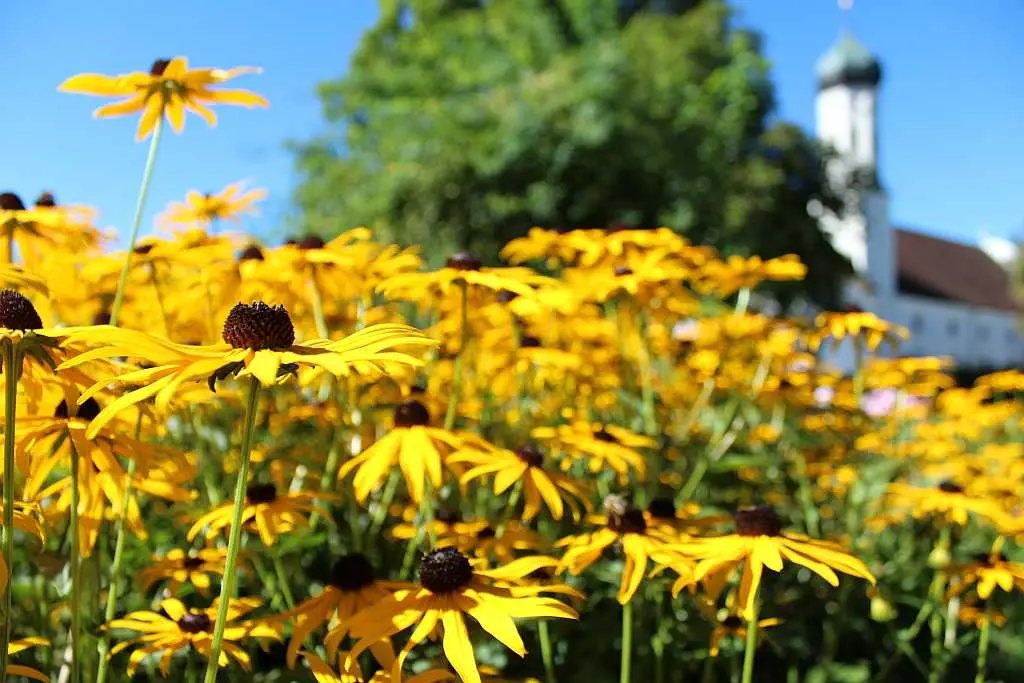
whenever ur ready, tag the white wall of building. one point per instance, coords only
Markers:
(971, 335)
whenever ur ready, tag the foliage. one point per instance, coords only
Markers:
(461, 124)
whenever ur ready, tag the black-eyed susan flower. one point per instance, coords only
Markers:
(486, 541)
(168, 89)
(948, 501)
(176, 627)
(600, 445)
(20, 645)
(179, 567)
(352, 586)
(449, 588)
(734, 625)
(988, 571)
(349, 671)
(760, 542)
(259, 342)
(525, 467)
(857, 324)
(463, 269)
(267, 511)
(625, 528)
(204, 209)
(413, 445)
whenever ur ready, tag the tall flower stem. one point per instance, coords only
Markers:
(546, 651)
(627, 642)
(227, 586)
(11, 370)
(76, 571)
(986, 633)
(750, 647)
(282, 578)
(456, 394)
(115, 564)
(140, 207)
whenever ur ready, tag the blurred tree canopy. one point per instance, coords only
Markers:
(462, 123)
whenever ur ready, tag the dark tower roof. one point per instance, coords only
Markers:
(848, 63)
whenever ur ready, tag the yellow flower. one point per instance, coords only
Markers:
(417, 448)
(526, 467)
(168, 89)
(463, 269)
(449, 588)
(948, 500)
(260, 342)
(639, 542)
(266, 510)
(989, 570)
(178, 567)
(857, 324)
(349, 671)
(759, 542)
(352, 587)
(20, 645)
(734, 625)
(176, 627)
(601, 445)
(203, 210)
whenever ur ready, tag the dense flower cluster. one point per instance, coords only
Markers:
(251, 444)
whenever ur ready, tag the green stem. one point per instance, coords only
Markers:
(381, 513)
(160, 300)
(330, 472)
(935, 593)
(627, 642)
(510, 508)
(742, 301)
(751, 646)
(986, 630)
(453, 399)
(546, 652)
(227, 586)
(11, 370)
(282, 579)
(115, 565)
(140, 207)
(76, 571)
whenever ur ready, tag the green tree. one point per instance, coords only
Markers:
(462, 123)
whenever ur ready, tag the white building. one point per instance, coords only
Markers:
(955, 299)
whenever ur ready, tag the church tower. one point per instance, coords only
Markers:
(847, 121)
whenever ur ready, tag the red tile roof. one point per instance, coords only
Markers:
(951, 270)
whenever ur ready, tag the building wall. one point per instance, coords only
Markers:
(973, 336)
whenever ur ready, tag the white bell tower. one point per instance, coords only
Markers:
(847, 121)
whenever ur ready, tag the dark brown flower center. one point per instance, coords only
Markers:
(192, 562)
(411, 413)
(622, 271)
(463, 261)
(260, 493)
(445, 571)
(17, 312)
(486, 533)
(101, 318)
(757, 521)
(258, 326)
(529, 343)
(662, 508)
(251, 253)
(352, 573)
(159, 66)
(732, 622)
(603, 434)
(950, 486)
(46, 200)
(629, 522)
(989, 559)
(11, 202)
(311, 242)
(87, 410)
(144, 249)
(531, 455)
(447, 516)
(506, 296)
(195, 623)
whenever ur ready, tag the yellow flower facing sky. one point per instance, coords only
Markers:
(168, 89)
(204, 209)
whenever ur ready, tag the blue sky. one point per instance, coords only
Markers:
(951, 147)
